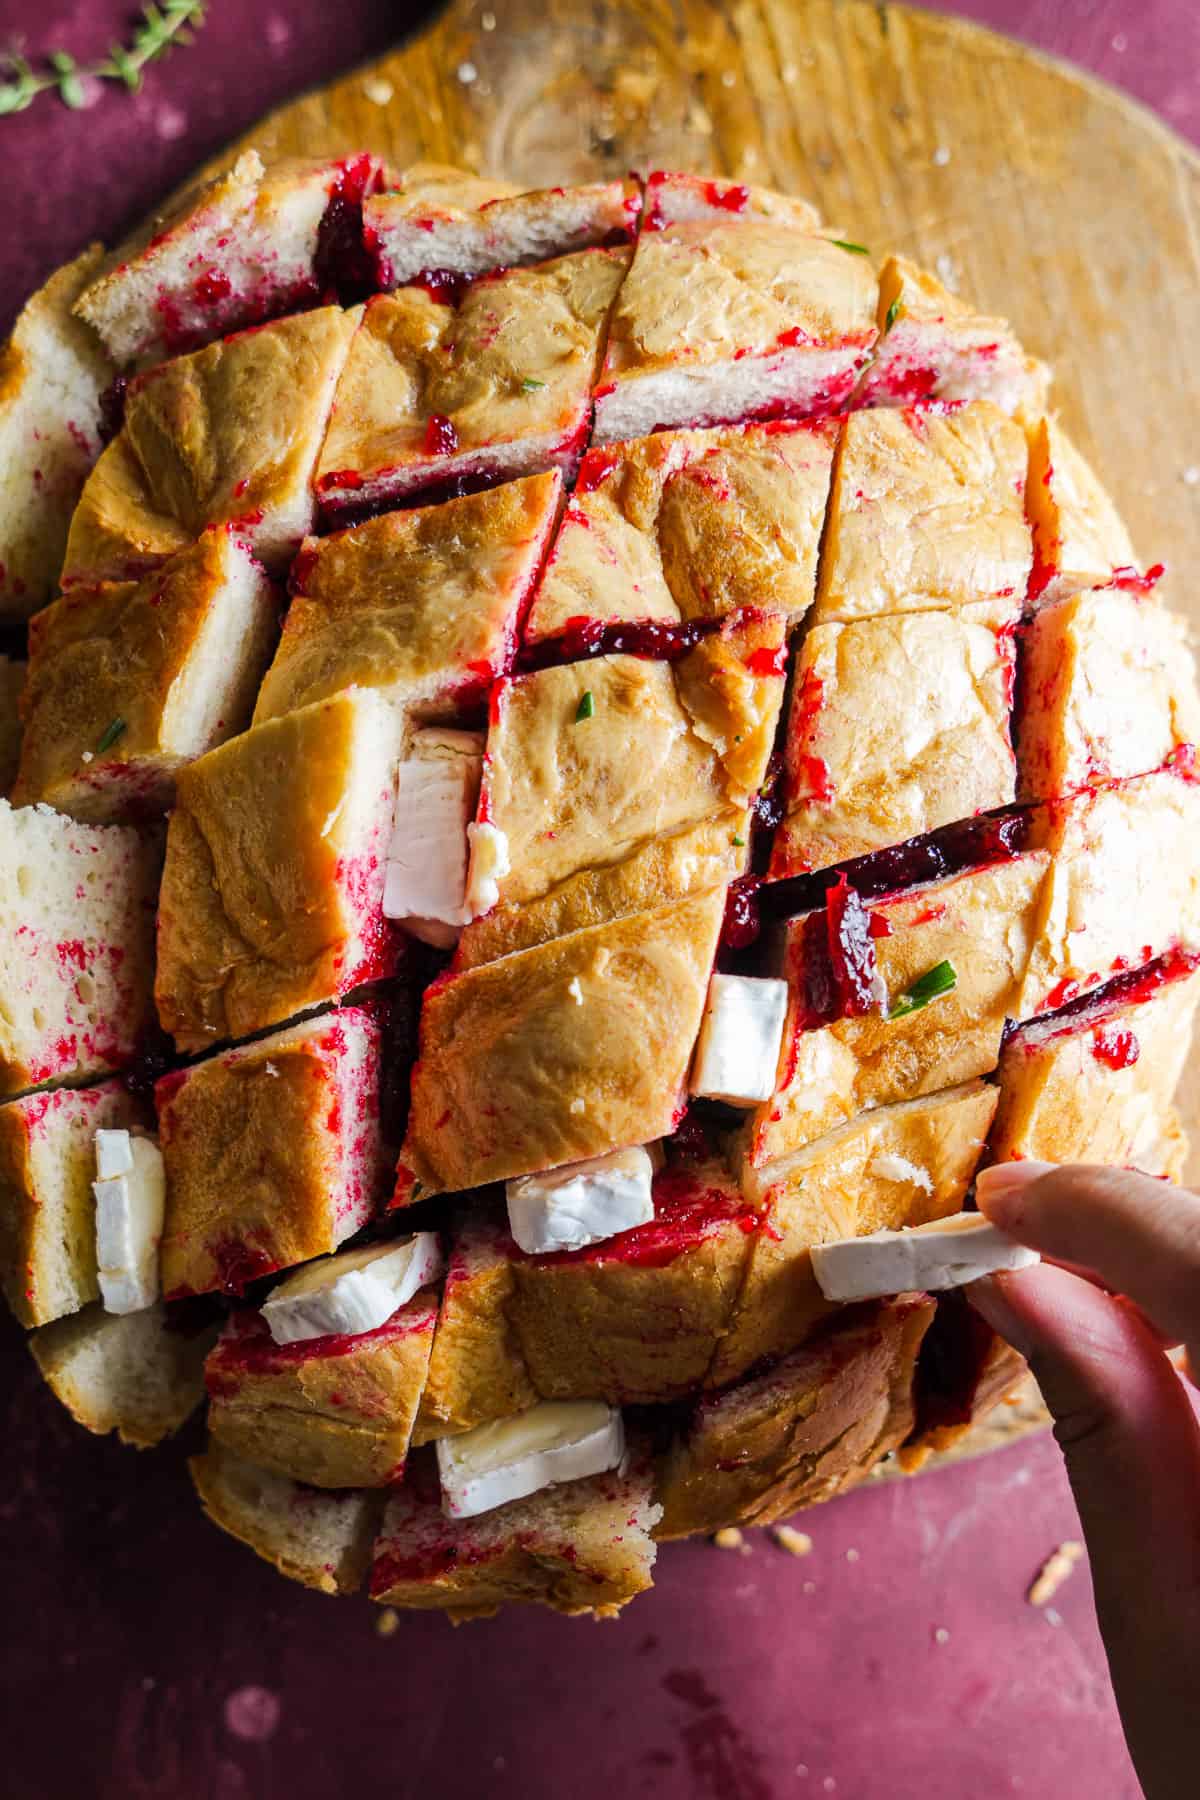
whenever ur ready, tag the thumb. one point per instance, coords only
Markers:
(1132, 1447)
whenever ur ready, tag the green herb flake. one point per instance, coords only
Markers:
(893, 313)
(586, 708)
(854, 249)
(110, 734)
(935, 982)
(739, 843)
(529, 385)
(161, 27)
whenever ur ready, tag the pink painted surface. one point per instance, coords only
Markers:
(149, 1658)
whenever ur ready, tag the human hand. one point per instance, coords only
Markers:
(1121, 1286)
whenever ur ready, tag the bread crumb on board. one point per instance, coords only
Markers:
(1053, 1572)
(796, 1543)
(730, 1538)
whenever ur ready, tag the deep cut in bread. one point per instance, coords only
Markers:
(47, 1210)
(476, 1370)
(52, 375)
(322, 1540)
(76, 946)
(137, 1374)
(1080, 539)
(580, 1547)
(129, 681)
(273, 1152)
(272, 892)
(12, 680)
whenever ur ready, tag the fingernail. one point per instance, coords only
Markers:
(990, 1301)
(1002, 1182)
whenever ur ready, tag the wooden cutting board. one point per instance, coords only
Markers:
(1036, 190)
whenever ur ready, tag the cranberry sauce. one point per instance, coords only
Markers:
(687, 1210)
(112, 408)
(346, 266)
(1129, 987)
(581, 638)
(952, 1365)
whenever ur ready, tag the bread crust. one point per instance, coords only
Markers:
(423, 603)
(331, 1412)
(130, 1373)
(469, 225)
(1079, 537)
(806, 1429)
(515, 1074)
(476, 1369)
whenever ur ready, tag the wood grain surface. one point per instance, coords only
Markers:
(1032, 188)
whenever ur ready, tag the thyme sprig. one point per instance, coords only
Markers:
(160, 29)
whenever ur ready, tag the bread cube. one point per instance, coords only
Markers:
(1119, 891)
(636, 1318)
(579, 1547)
(228, 253)
(12, 680)
(322, 1540)
(52, 376)
(805, 1429)
(226, 436)
(673, 197)
(494, 386)
(934, 346)
(1079, 538)
(272, 891)
(470, 226)
(47, 1212)
(898, 1165)
(963, 1373)
(334, 1412)
(476, 1370)
(424, 603)
(1094, 1085)
(588, 761)
(690, 525)
(861, 775)
(981, 922)
(562, 1052)
(732, 316)
(273, 1152)
(130, 680)
(139, 1374)
(76, 946)
(927, 512)
(1109, 688)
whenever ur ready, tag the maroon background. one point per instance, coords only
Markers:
(898, 1659)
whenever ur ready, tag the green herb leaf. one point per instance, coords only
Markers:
(160, 29)
(739, 843)
(854, 249)
(893, 313)
(70, 88)
(111, 733)
(586, 708)
(529, 384)
(941, 979)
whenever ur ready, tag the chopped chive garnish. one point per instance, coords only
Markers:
(854, 249)
(893, 313)
(738, 842)
(528, 385)
(586, 708)
(930, 986)
(110, 735)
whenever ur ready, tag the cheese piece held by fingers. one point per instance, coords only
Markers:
(560, 1440)
(946, 1253)
(354, 1291)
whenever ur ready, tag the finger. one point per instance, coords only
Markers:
(1131, 1441)
(1140, 1236)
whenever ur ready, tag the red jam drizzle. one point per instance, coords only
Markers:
(248, 1348)
(346, 267)
(446, 286)
(441, 436)
(112, 408)
(581, 638)
(1134, 581)
(742, 922)
(1116, 1048)
(686, 1212)
(212, 287)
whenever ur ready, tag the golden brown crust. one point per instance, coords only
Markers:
(1079, 536)
(424, 603)
(511, 365)
(689, 525)
(253, 1142)
(861, 775)
(982, 923)
(805, 1430)
(927, 511)
(124, 1372)
(332, 1417)
(131, 652)
(227, 435)
(516, 1073)
(268, 885)
(476, 1370)
(899, 1165)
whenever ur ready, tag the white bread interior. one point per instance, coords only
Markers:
(126, 1372)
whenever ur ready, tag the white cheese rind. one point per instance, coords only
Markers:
(490, 863)
(946, 1253)
(354, 1291)
(737, 1054)
(114, 1154)
(581, 1203)
(437, 788)
(560, 1440)
(129, 1223)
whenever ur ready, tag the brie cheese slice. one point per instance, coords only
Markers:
(581, 1203)
(738, 1050)
(113, 1154)
(946, 1253)
(437, 789)
(560, 1440)
(490, 863)
(129, 1222)
(354, 1291)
